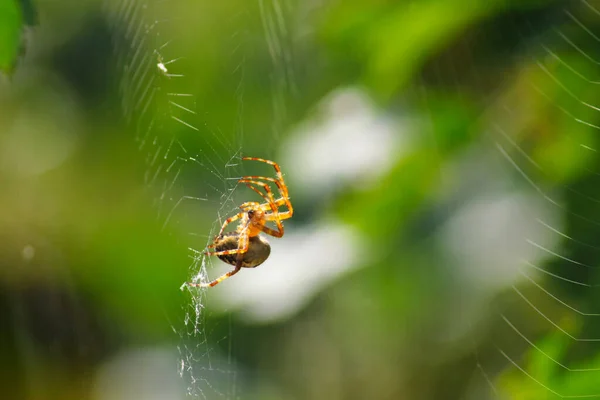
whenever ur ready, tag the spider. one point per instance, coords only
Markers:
(245, 247)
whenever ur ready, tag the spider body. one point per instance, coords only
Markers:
(245, 247)
(258, 251)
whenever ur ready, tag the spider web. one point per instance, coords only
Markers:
(546, 340)
(553, 271)
(192, 163)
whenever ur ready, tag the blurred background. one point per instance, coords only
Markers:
(441, 157)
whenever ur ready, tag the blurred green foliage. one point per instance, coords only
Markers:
(99, 205)
(11, 21)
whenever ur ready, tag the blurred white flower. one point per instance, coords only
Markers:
(349, 141)
(300, 266)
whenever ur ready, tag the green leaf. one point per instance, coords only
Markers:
(11, 25)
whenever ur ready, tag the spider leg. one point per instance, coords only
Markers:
(269, 194)
(273, 163)
(255, 205)
(250, 205)
(270, 200)
(243, 243)
(269, 197)
(225, 252)
(279, 181)
(228, 221)
(220, 279)
(284, 199)
(276, 216)
(280, 215)
(277, 233)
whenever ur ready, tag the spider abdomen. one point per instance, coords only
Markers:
(259, 249)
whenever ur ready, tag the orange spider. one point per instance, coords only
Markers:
(245, 247)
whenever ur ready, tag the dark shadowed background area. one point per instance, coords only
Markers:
(442, 160)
